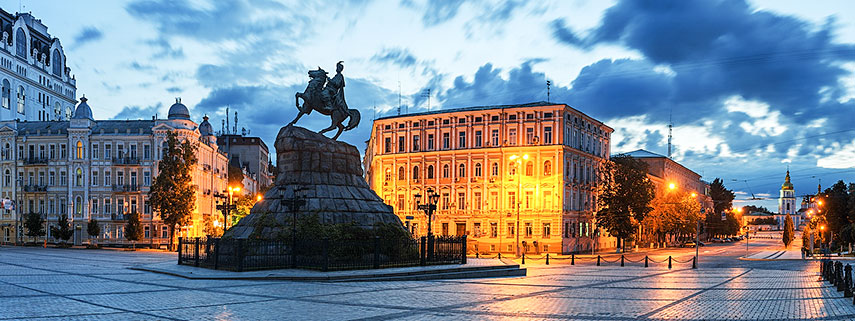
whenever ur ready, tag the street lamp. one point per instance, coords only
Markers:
(518, 160)
(429, 208)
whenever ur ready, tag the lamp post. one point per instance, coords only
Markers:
(518, 160)
(429, 207)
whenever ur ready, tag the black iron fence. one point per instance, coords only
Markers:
(320, 254)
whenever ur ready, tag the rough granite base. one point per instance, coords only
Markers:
(327, 174)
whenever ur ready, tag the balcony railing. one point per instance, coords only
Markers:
(35, 161)
(119, 217)
(125, 188)
(126, 161)
(35, 188)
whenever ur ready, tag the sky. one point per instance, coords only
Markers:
(752, 87)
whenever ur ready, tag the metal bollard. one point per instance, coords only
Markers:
(477, 255)
(621, 260)
(694, 262)
(523, 262)
(669, 262)
(847, 281)
(547, 258)
(500, 256)
(839, 283)
(645, 261)
(573, 259)
(598, 260)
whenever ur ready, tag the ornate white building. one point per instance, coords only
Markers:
(787, 204)
(101, 169)
(35, 82)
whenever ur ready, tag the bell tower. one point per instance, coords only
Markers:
(787, 201)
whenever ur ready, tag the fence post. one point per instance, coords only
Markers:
(463, 251)
(694, 262)
(196, 251)
(293, 252)
(547, 258)
(669, 262)
(376, 252)
(621, 260)
(645, 261)
(179, 249)
(847, 281)
(216, 254)
(239, 254)
(598, 260)
(423, 254)
(573, 259)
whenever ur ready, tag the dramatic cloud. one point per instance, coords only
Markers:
(88, 34)
(399, 56)
(138, 112)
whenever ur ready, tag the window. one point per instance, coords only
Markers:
(401, 174)
(146, 151)
(133, 178)
(478, 138)
(107, 179)
(446, 140)
(476, 200)
(529, 135)
(494, 200)
(94, 206)
(446, 172)
(387, 145)
(146, 178)
(78, 179)
(7, 178)
(512, 169)
(79, 151)
(494, 170)
(461, 201)
(511, 231)
(21, 43)
(22, 98)
(547, 200)
(78, 205)
(401, 144)
(120, 206)
(52, 178)
(461, 141)
(494, 118)
(94, 151)
(108, 151)
(444, 229)
(415, 172)
(529, 168)
(108, 208)
(494, 137)
(52, 206)
(430, 172)
(95, 178)
(146, 206)
(430, 142)
(120, 178)
(63, 151)
(165, 233)
(461, 170)
(56, 63)
(7, 94)
(476, 227)
(63, 179)
(512, 117)
(547, 168)
(528, 229)
(133, 151)
(512, 199)
(52, 151)
(547, 135)
(512, 136)
(494, 229)
(445, 201)
(567, 229)
(529, 195)
(415, 143)
(477, 169)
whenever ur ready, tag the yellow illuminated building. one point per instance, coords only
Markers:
(526, 172)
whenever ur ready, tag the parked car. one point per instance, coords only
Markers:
(717, 240)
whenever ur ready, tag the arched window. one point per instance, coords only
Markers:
(22, 97)
(78, 205)
(512, 168)
(7, 152)
(477, 169)
(461, 170)
(79, 150)
(57, 111)
(430, 172)
(7, 178)
(415, 172)
(401, 173)
(78, 178)
(56, 63)
(495, 170)
(7, 94)
(529, 168)
(445, 171)
(21, 43)
(68, 112)
(547, 168)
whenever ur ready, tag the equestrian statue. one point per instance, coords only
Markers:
(326, 96)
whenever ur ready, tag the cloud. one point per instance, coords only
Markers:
(163, 49)
(86, 35)
(138, 112)
(489, 87)
(399, 56)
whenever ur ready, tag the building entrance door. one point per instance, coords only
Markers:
(461, 229)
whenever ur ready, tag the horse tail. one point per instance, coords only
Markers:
(354, 119)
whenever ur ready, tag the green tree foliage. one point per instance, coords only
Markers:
(756, 209)
(763, 221)
(93, 229)
(133, 227)
(243, 205)
(722, 197)
(35, 225)
(625, 196)
(675, 213)
(211, 229)
(722, 203)
(836, 207)
(789, 233)
(63, 229)
(172, 195)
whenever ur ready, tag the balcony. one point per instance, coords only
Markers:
(35, 161)
(126, 161)
(125, 188)
(35, 188)
(119, 217)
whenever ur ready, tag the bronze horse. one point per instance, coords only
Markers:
(327, 100)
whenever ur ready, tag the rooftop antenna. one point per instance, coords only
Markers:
(227, 120)
(235, 128)
(670, 128)
(223, 129)
(548, 85)
(426, 93)
(375, 111)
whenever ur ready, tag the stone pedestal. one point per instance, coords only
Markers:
(327, 174)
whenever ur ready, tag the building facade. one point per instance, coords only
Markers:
(35, 82)
(101, 169)
(251, 155)
(528, 170)
(787, 205)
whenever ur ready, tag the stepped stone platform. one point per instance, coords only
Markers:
(327, 175)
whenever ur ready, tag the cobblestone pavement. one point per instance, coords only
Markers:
(62, 284)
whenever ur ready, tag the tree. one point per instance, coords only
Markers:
(63, 229)
(93, 229)
(722, 197)
(837, 207)
(722, 203)
(235, 176)
(788, 234)
(625, 196)
(172, 194)
(35, 225)
(133, 228)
